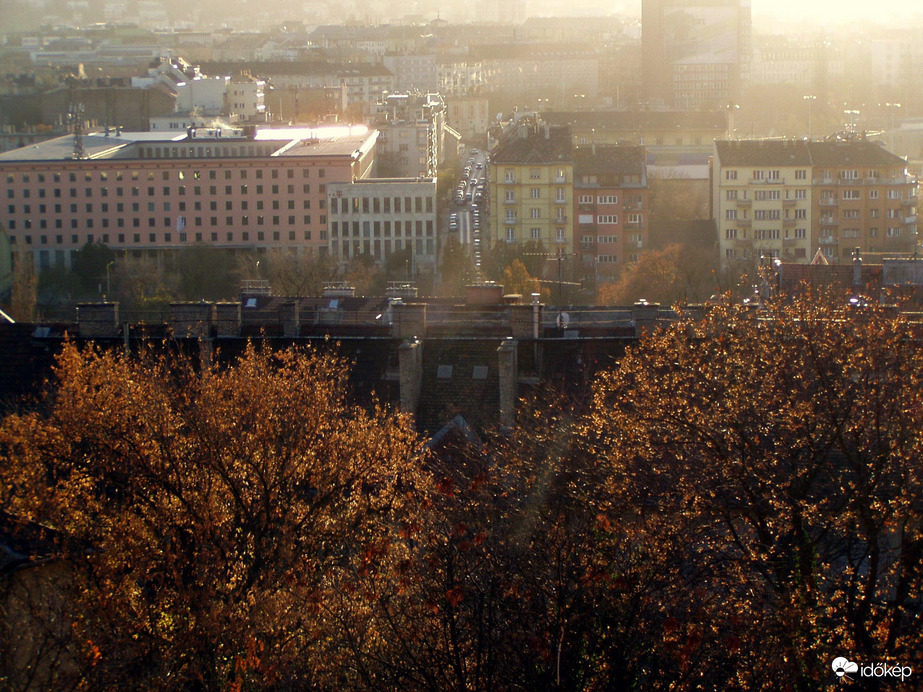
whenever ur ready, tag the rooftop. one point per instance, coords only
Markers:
(623, 160)
(787, 152)
(323, 141)
(540, 145)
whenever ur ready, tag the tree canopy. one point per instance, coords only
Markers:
(739, 502)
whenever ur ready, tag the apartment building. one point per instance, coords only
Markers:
(532, 187)
(788, 198)
(695, 53)
(152, 192)
(863, 197)
(413, 134)
(613, 207)
(382, 216)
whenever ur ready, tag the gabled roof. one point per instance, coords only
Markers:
(531, 51)
(639, 120)
(607, 159)
(536, 148)
(786, 152)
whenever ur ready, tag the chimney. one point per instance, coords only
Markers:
(227, 319)
(410, 362)
(97, 320)
(508, 369)
(409, 320)
(192, 320)
(290, 318)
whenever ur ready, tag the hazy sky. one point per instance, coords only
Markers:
(833, 12)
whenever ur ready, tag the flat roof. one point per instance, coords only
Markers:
(335, 140)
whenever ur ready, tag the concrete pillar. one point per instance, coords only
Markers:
(227, 319)
(644, 315)
(508, 370)
(409, 320)
(291, 319)
(97, 320)
(410, 360)
(192, 320)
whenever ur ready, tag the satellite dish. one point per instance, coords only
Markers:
(563, 320)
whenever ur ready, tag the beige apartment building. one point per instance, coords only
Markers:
(532, 188)
(786, 198)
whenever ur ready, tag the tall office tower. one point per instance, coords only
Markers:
(695, 53)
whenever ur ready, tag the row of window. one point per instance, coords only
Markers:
(136, 222)
(383, 248)
(104, 176)
(181, 237)
(381, 205)
(560, 235)
(370, 229)
(765, 234)
(165, 206)
(166, 191)
(771, 174)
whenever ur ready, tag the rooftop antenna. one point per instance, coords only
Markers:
(75, 118)
(75, 114)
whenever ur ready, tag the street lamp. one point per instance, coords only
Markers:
(108, 289)
(810, 98)
(731, 109)
(851, 117)
(892, 107)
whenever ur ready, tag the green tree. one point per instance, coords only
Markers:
(24, 291)
(89, 266)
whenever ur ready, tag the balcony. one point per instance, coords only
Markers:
(635, 226)
(789, 203)
(633, 206)
(510, 221)
(744, 223)
(744, 203)
(789, 223)
(560, 179)
(560, 219)
(827, 240)
(824, 181)
(828, 202)
(829, 221)
(910, 201)
(767, 181)
(560, 200)
(508, 181)
(910, 219)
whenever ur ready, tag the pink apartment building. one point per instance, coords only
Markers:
(158, 191)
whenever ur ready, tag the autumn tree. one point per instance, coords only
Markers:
(516, 279)
(24, 289)
(785, 446)
(214, 503)
(674, 274)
